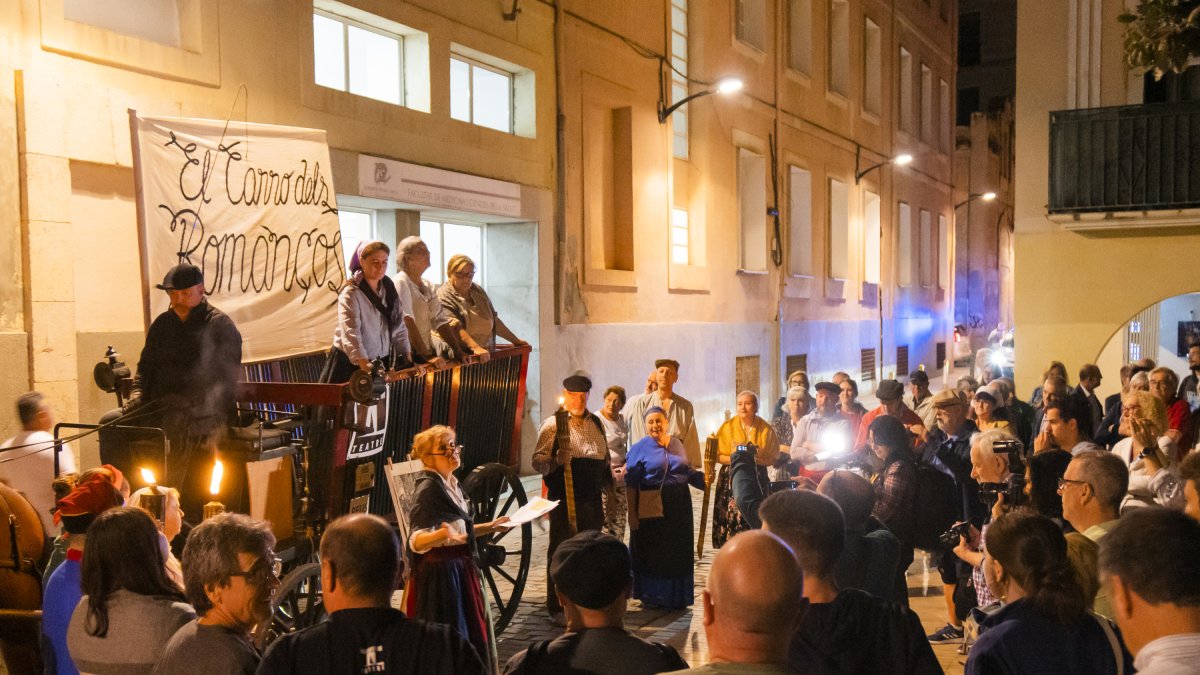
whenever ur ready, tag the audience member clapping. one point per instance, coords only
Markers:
(843, 630)
(1044, 625)
(593, 578)
(230, 571)
(1151, 563)
(1148, 452)
(130, 608)
(1164, 384)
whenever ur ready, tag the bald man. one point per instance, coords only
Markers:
(752, 606)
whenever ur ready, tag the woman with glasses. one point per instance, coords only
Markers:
(472, 314)
(231, 574)
(370, 322)
(1043, 625)
(446, 586)
(129, 609)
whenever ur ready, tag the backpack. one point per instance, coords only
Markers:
(937, 506)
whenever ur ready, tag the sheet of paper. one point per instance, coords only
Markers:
(536, 508)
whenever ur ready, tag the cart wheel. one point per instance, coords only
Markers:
(297, 605)
(495, 490)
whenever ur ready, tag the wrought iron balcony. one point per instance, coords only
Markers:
(1125, 158)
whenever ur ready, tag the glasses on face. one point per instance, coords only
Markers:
(452, 448)
(1064, 482)
(263, 570)
(464, 274)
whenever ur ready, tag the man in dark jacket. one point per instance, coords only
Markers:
(843, 631)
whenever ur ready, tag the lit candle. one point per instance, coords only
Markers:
(214, 507)
(154, 502)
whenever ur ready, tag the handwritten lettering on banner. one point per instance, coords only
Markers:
(252, 205)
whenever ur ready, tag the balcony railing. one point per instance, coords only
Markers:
(1126, 158)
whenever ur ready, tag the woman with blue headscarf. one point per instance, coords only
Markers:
(657, 475)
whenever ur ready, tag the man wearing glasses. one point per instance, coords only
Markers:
(231, 594)
(1092, 488)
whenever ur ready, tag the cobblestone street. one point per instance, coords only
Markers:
(683, 629)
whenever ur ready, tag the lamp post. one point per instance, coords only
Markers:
(726, 85)
(899, 160)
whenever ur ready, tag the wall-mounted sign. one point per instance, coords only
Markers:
(404, 182)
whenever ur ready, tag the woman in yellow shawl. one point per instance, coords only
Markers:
(745, 428)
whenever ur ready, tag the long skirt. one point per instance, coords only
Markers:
(727, 519)
(446, 589)
(662, 553)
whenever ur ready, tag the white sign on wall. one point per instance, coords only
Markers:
(253, 206)
(415, 184)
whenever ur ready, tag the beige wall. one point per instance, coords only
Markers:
(1075, 290)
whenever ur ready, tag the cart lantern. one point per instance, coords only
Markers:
(214, 507)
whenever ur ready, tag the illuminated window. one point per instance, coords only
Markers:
(871, 229)
(357, 226)
(839, 229)
(357, 58)
(752, 211)
(445, 240)
(680, 253)
(481, 95)
(679, 70)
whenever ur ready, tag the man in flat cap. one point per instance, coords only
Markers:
(680, 416)
(920, 399)
(592, 574)
(891, 402)
(572, 456)
(185, 381)
(822, 431)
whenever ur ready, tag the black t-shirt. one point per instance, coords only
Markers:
(859, 633)
(372, 640)
(596, 651)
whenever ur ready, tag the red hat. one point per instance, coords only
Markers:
(94, 496)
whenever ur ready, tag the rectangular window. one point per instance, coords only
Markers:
(867, 364)
(968, 39)
(446, 240)
(357, 226)
(800, 235)
(944, 116)
(357, 58)
(679, 70)
(926, 104)
(943, 240)
(871, 230)
(680, 254)
(872, 65)
(839, 47)
(481, 94)
(752, 211)
(800, 36)
(750, 18)
(608, 187)
(746, 373)
(904, 246)
(925, 242)
(839, 230)
(906, 91)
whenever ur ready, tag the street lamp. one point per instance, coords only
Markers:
(985, 196)
(726, 85)
(899, 160)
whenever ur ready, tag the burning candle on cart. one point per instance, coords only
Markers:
(154, 502)
(214, 507)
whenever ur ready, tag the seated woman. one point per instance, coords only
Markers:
(1149, 453)
(657, 476)
(446, 586)
(744, 429)
(895, 490)
(370, 321)
(472, 314)
(130, 609)
(1043, 625)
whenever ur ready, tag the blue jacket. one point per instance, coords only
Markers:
(1017, 640)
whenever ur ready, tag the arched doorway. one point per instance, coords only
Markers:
(1161, 331)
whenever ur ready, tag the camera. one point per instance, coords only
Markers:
(747, 447)
(1014, 451)
(1013, 490)
(951, 536)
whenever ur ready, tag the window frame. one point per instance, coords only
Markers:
(511, 77)
(346, 22)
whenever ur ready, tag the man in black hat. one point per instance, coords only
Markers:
(824, 433)
(572, 456)
(920, 399)
(592, 575)
(185, 381)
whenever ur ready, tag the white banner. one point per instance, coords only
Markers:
(253, 206)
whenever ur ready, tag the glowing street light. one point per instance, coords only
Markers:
(725, 85)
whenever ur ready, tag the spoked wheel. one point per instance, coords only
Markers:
(504, 555)
(297, 605)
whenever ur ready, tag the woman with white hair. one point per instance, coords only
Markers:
(429, 328)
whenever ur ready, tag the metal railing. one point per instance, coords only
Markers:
(1125, 158)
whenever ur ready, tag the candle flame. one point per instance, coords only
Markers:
(218, 469)
(148, 476)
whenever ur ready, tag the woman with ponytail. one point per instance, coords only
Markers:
(1044, 625)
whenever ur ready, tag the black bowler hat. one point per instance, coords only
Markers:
(828, 388)
(578, 383)
(180, 277)
(591, 569)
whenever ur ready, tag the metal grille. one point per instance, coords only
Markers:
(941, 355)
(902, 360)
(867, 367)
(796, 362)
(1138, 157)
(746, 374)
